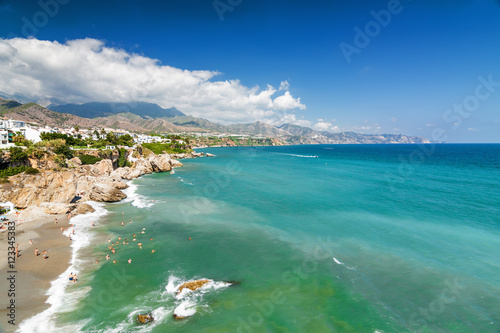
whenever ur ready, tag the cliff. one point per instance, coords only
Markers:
(59, 191)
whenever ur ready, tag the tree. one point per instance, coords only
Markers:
(111, 138)
(77, 128)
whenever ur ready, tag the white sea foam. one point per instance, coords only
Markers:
(185, 182)
(60, 299)
(188, 301)
(296, 155)
(341, 263)
(135, 199)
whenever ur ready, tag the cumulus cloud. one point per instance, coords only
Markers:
(84, 70)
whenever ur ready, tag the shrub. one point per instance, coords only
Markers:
(89, 159)
(12, 171)
(17, 154)
(64, 150)
(31, 171)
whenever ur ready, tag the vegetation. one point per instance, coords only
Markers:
(17, 170)
(169, 148)
(17, 154)
(122, 160)
(89, 159)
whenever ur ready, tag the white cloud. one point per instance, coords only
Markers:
(394, 119)
(472, 129)
(322, 126)
(287, 102)
(86, 70)
(284, 85)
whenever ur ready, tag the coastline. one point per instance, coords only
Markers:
(41, 284)
(34, 274)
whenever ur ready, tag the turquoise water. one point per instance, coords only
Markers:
(337, 238)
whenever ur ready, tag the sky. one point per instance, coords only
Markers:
(423, 68)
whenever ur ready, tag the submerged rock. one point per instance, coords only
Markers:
(145, 318)
(193, 285)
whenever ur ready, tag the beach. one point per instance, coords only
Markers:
(34, 274)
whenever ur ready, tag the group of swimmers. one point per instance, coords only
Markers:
(124, 242)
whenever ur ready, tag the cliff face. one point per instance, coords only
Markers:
(98, 182)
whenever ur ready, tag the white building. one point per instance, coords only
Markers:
(10, 123)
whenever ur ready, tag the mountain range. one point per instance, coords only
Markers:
(142, 117)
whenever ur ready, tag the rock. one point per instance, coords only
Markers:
(145, 318)
(175, 164)
(143, 165)
(113, 182)
(160, 163)
(54, 208)
(193, 285)
(177, 317)
(210, 155)
(74, 162)
(106, 193)
(105, 167)
(84, 208)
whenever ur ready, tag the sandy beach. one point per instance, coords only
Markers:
(34, 274)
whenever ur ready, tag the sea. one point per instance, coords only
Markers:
(319, 238)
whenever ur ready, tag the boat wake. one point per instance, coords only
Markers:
(338, 262)
(296, 155)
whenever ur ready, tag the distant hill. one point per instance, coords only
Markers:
(148, 117)
(97, 109)
(7, 104)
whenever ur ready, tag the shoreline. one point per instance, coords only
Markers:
(34, 274)
(36, 278)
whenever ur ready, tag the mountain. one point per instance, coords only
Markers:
(97, 109)
(142, 120)
(6, 104)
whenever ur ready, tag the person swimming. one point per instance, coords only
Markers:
(70, 277)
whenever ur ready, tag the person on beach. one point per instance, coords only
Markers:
(92, 224)
(130, 261)
(151, 239)
(119, 238)
(70, 277)
(140, 245)
(31, 242)
(153, 251)
(36, 252)
(114, 261)
(109, 240)
(113, 250)
(96, 261)
(45, 254)
(123, 224)
(107, 256)
(75, 278)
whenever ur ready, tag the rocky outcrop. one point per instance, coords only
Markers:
(74, 162)
(57, 191)
(160, 163)
(210, 155)
(145, 318)
(193, 285)
(83, 208)
(106, 193)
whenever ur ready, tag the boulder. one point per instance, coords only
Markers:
(177, 317)
(105, 167)
(193, 285)
(84, 208)
(143, 165)
(175, 164)
(160, 163)
(210, 155)
(74, 162)
(106, 193)
(145, 318)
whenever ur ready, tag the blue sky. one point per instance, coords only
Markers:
(411, 78)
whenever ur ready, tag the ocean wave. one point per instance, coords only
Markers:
(297, 155)
(338, 262)
(185, 182)
(60, 299)
(136, 200)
